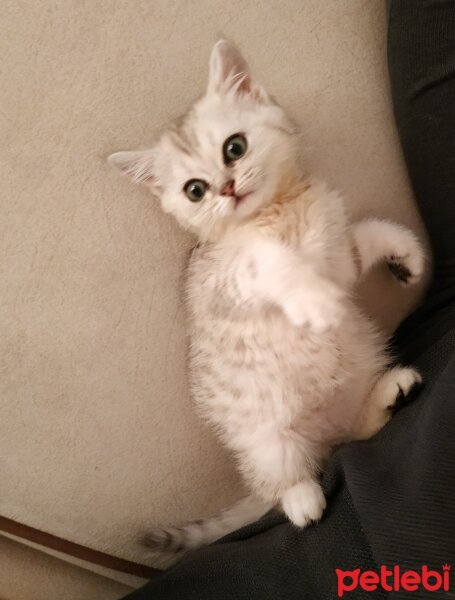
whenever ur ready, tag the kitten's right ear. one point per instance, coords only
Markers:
(137, 165)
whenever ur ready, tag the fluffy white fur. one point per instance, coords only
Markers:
(283, 363)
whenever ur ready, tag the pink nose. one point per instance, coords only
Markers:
(228, 188)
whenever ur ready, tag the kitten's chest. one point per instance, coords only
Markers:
(304, 227)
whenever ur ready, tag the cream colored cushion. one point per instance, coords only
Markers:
(27, 574)
(97, 436)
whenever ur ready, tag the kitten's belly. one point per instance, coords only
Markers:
(254, 370)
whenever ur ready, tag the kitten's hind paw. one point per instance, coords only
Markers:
(393, 389)
(304, 503)
(408, 380)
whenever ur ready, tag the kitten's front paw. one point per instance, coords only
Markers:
(408, 263)
(304, 503)
(319, 309)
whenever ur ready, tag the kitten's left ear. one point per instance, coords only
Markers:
(229, 71)
(137, 165)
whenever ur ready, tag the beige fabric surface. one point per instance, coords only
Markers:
(63, 557)
(27, 574)
(97, 436)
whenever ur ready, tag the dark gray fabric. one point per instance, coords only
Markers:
(391, 500)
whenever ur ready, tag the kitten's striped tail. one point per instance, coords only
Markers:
(201, 532)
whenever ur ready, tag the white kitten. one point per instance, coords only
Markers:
(283, 363)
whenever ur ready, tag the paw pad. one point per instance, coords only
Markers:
(399, 270)
(410, 383)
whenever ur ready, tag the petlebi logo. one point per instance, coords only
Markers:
(393, 579)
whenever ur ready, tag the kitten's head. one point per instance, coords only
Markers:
(226, 158)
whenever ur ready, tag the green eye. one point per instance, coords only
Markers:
(234, 148)
(195, 189)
